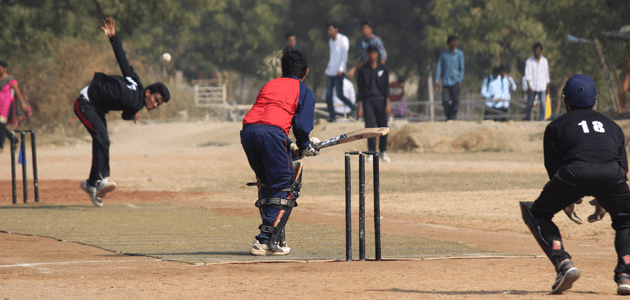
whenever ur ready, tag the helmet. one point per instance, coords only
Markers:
(580, 91)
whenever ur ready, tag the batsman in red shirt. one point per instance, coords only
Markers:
(282, 104)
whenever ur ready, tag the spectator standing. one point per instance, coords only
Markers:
(537, 77)
(8, 84)
(289, 38)
(495, 89)
(369, 39)
(336, 69)
(373, 98)
(450, 68)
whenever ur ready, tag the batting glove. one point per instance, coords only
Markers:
(310, 150)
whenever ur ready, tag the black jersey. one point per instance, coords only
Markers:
(373, 83)
(114, 92)
(584, 136)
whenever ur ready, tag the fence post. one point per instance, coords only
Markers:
(431, 102)
(468, 105)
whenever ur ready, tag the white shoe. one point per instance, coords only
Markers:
(104, 186)
(284, 246)
(90, 190)
(369, 158)
(385, 157)
(259, 249)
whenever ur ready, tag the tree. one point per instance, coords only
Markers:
(587, 19)
(490, 32)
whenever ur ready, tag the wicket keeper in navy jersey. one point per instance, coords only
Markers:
(585, 155)
(112, 92)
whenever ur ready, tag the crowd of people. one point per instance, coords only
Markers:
(373, 103)
(496, 88)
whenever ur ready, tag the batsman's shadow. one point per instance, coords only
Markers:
(482, 292)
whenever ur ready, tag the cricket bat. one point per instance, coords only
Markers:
(353, 136)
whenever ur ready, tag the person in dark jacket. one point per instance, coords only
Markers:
(373, 99)
(112, 92)
(584, 155)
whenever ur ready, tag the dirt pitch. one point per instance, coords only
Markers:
(460, 183)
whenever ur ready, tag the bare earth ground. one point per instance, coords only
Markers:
(436, 191)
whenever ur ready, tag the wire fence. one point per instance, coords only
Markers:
(470, 108)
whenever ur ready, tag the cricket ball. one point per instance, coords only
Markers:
(166, 57)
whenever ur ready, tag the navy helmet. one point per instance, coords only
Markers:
(580, 91)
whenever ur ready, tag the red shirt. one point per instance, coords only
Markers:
(276, 104)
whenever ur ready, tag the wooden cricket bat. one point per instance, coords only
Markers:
(353, 136)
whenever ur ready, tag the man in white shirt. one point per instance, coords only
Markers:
(537, 78)
(336, 69)
(496, 90)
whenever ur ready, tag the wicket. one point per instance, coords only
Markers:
(23, 153)
(377, 209)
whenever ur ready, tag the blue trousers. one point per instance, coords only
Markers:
(269, 155)
(542, 96)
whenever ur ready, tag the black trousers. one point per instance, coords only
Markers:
(375, 116)
(94, 121)
(607, 183)
(4, 134)
(450, 100)
(497, 114)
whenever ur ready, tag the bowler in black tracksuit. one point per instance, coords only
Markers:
(584, 155)
(373, 97)
(113, 92)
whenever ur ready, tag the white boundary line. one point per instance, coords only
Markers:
(77, 262)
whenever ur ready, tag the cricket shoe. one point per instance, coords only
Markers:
(90, 190)
(385, 157)
(567, 275)
(623, 284)
(369, 158)
(259, 249)
(104, 186)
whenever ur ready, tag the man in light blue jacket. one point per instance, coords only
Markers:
(450, 68)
